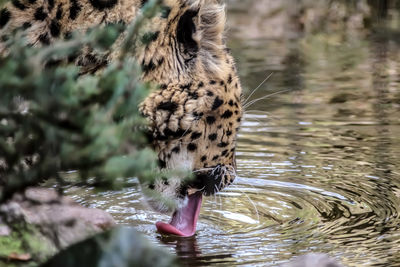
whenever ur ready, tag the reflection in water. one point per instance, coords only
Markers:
(186, 248)
(189, 252)
(319, 166)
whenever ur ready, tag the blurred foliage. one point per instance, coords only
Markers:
(53, 119)
(23, 245)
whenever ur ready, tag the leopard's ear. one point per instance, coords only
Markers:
(211, 30)
(187, 31)
(201, 29)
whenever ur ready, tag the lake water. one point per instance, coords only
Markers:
(318, 159)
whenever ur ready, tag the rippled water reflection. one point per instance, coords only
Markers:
(319, 165)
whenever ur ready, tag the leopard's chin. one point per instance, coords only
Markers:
(164, 196)
(164, 205)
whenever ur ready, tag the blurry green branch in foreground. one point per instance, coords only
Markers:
(54, 119)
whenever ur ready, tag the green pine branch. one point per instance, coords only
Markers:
(53, 119)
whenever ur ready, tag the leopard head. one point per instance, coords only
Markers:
(195, 114)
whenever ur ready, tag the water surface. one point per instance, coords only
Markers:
(318, 162)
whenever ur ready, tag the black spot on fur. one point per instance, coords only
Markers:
(185, 30)
(148, 67)
(74, 9)
(50, 5)
(222, 83)
(209, 93)
(210, 119)
(195, 135)
(26, 25)
(186, 86)
(176, 149)
(213, 82)
(203, 158)
(143, 2)
(239, 119)
(192, 147)
(229, 79)
(228, 133)
(197, 115)
(53, 63)
(103, 4)
(224, 153)
(175, 134)
(149, 37)
(165, 10)
(227, 114)
(5, 16)
(165, 181)
(230, 102)
(223, 144)
(160, 61)
(217, 103)
(160, 137)
(209, 181)
(212, 137)
(44, 39)
(170, 106)
(59, 12)
(54, 28)
(162, 163)
(163, 86)
(168, 132)
(215, 157)
(18, 4)
(39, 14)
(201, 84)
(193, 95)
(67, 35)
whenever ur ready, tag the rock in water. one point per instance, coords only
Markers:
(122, 246)
(47, 222)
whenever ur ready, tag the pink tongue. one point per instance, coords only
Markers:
(183, 222)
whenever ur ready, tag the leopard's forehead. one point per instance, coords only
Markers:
(186, 41)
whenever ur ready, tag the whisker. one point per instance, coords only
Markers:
(269, 114)
(258, 120)
(198, 190)
(216, 189)
(258, 87)
(203, 169)
(257, 111)
(251, 202)
(191, 126)
(264, 97)
(215, 199)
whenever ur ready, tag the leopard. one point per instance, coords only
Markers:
(194, 114)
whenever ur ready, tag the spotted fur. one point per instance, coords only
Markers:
(195, 114)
